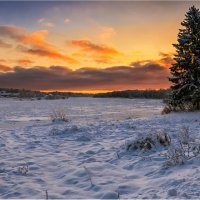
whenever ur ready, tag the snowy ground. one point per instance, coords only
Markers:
(86, 157)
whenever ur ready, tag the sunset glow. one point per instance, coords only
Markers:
(88, 46)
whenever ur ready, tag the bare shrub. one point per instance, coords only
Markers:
(58, 115)
(174, 156)
(186, 149)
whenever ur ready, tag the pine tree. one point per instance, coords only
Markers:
(186, 69)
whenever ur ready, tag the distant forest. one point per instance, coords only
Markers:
(28, 94)
(147, 94)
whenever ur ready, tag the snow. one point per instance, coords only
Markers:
(86, 157)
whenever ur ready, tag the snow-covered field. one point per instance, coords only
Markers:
(86, 157)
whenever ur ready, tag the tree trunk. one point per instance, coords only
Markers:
(197, 105)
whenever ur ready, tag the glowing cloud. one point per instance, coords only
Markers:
(33, 43)
(4, 68)
(149, 75)
(24, 62)
(101, 53)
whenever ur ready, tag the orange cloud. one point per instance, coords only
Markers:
(34, 42)
(36, 38)
(18, 34)
(24, 62)
(4, 68)
(88, 46)
(100, 53)
(46, 52)
(166, 59)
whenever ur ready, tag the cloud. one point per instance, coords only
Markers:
(45, 22)
(106, 32)
(88, 46)
(24, 62)
(166, 59)
(149, 75)
(33, 43)
(4, 44)
(67, 21)
(12, 32)
(46, 52)
(100, 53)
(5, 68)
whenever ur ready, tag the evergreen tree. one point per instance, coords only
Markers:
(186, 69)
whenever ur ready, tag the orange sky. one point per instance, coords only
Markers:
(88, 46)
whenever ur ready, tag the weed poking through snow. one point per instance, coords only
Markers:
(58, 115)
(118, 195)
(23, 169)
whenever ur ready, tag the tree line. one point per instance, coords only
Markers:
(147, 94)
(28, 94)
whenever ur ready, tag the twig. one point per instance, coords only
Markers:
(90, 178)
(117, 155)
(47, 196)
(118, 195)
(89, 175)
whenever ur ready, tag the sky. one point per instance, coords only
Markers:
(88, 46)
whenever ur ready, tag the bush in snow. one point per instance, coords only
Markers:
(67, 130)
(167, 109)
(180, 151)
(58, 115)
(149, 141)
